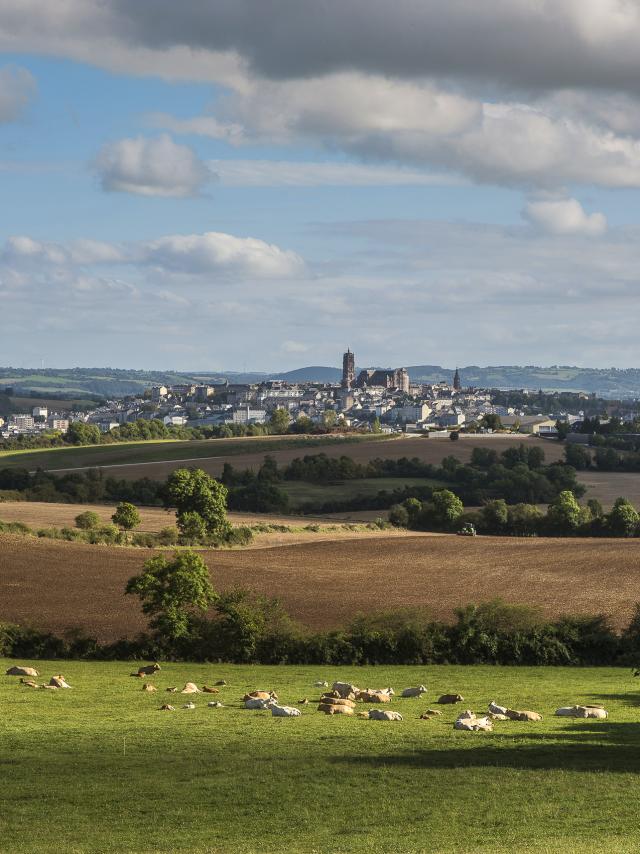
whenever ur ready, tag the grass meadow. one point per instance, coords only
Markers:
(100, 769)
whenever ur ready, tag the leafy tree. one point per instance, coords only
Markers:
(80, 433)
(192, 527)
(172, 592)
(444, 509)
(491, 422)
(329, 418)
(565, 514)
(399, 516)
(595, 508)
(126, 516)
(375, 425)
(563, 429)
(495, 516)
(194, 491)
(87, 521)
(577, 457)
(524, 519)
(623, 519)
(279, 421)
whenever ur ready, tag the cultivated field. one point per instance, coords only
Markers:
(99, 769)
(58, 585)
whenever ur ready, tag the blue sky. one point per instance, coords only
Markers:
(206, 189)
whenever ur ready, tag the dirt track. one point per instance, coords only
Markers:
(57, 585)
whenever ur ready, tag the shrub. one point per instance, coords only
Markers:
(87, 520)
(168, 536)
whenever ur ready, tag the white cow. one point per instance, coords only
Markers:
(257, 703)
(346, 690)
(190, 688)
(59, 682)
(495, 709)
(469, 722)
(284, 711)
(384, 715)
(582, 712)
(17, 670)
(189, 706)
(414, 692)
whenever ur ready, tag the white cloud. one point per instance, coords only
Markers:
(151, 167)
(565, 216)
(214, 253)
(292, 173)
(17, 88)
(295, 347)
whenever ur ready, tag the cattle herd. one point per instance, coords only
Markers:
(341, 699)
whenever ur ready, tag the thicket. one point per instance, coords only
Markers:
(247, 628)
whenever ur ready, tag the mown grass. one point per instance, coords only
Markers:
(160, 450)
(100, 769)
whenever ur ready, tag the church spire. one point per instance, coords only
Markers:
(457, 384)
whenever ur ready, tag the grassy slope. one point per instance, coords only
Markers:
(99, 769)
(300, 492)
(160, 449)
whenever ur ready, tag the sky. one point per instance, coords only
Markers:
(241, 185)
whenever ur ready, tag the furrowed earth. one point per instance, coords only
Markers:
(98, 768)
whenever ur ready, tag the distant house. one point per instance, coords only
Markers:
(535, 424)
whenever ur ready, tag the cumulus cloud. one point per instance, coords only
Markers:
(17, 88)
(151, 167)
(221, 254)
(565, 216)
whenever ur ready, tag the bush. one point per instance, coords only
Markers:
(168, 536)
(87, 520)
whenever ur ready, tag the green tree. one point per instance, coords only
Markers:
(126, 516)
(375, 425)
(563, 429)
(172, 592)
(577, 457)
(491, 422)
(194, 491)
(443, 510)
(495, 516)
(595, 508)
(279, 421)
(80, 433)
(87, 521)
(192, 528)
(454, 435)
(399, 516)
(329, 418)
(565, 514)
(623, 519)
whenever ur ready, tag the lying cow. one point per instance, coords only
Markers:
(58, 682)
(149, 670)
(369, 696)
(495, 709)
(260, 695)
(17, 670)
(523, 715)
(330, 709)
(189, 706)
(384, 715)
(414, 692)
(470, 722)
(258, 703)
(330, 700)
(582, 712)
(284, 711)
(29, 683)
(190, 688)
(207, 689)
(346, 690)
(150, 689)
(450, 699)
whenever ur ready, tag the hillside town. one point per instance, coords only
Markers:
(384, 400)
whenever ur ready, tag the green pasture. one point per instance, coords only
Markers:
(300, 492)
(100, 769)
(160, 450)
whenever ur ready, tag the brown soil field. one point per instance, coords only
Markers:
(428, 450)
(57, 585)
(607, 486)
(43, 514)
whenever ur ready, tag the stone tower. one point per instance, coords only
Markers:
(348, 369)
(457, 385)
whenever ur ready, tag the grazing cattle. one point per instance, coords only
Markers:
(215, 704)
(583, 712)
(167, 708)
(469, 722)
(150, 689)
(369, 696)
(330, 709)
(190, 688)
(384, 715)
(284, 711)
(17, 670)
(337, 701)
(189, 706)
(29, 683)
(320, 684)
(258, 703)
(523, 715)
(450, 699)
(346, 690)
(206, 689)
(59, 681)
(149, 670)
(260, 695)
(496, 709)
(414, 692)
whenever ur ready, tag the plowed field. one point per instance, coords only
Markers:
(57, 585)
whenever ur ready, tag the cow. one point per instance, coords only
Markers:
(523, 715)
(284, 711)
(258, 703)
(337, 701)
(260, 695)
(497, 716)
(190, 688)
(450, 699)
(320, 684)
(330, 709)
(167, 708)
(189, 706)
(171, 690)
(207, 689)
(59, 681)
(430, 713)
(29, 683)
(384, 715)
(18, 670)
(346, 690)
(582, 712)
(215, 704)
(150, 689)
(370, 696)
(469, 722)
(414, 692)
(149, 670)
(495, 709)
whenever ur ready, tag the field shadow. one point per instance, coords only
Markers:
(627, 699)
(585, 746)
